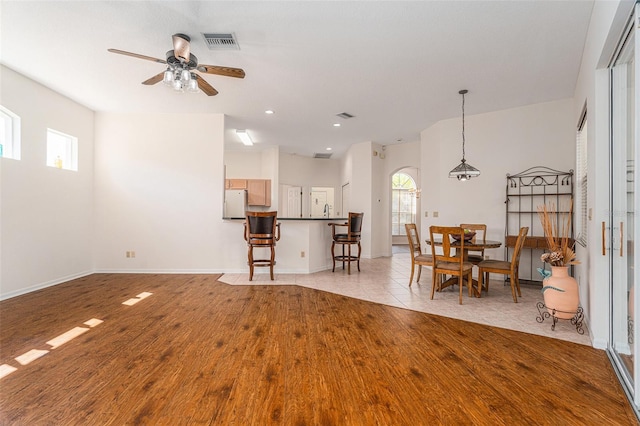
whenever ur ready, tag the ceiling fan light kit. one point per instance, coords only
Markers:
(181, 66)
(463, 171)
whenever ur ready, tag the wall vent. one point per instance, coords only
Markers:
(325, 155)
(221, 41)
(345, 115)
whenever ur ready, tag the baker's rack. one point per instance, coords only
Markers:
(525, 191)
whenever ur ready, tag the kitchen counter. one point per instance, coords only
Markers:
(339, 219)
(304, 246)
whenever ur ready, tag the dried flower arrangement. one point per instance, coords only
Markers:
(559, 242)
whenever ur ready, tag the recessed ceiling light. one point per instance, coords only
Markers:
(269, 111)
(329, 149)
(336, 124)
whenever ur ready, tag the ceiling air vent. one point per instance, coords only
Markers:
(326, 155)
(345, 115)
(221, 41)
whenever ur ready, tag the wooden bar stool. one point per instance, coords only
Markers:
(354, 231)
(261, 230)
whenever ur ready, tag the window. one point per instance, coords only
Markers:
(9, 134)
(403, 202)
(580, 208)
(62, 150)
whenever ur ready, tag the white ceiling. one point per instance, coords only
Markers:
(397, 66)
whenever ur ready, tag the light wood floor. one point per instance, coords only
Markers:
(198, 351)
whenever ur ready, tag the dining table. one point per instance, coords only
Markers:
(469, 245)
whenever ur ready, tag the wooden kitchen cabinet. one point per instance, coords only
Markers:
(259, 192)
(235, 183)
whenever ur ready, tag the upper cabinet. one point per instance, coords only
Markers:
(259, 192)
(235, 184)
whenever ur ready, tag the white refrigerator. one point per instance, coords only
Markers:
(235, 202)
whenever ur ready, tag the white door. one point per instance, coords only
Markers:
(294, 201)
(319, 206)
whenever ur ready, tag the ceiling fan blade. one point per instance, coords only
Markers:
(135, 55)
(206, 87)
(226, 71)
(155, 79)
(181, 47)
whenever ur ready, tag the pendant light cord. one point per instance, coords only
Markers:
(462, 92)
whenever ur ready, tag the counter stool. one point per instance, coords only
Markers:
(354, 230)
(261, 230)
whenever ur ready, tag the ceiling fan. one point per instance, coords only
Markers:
(180, 66)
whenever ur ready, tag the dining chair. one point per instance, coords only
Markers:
(504, 267)
(417, 257)
(352, 237)
(261, 230)
(448, 263)
(476, 256)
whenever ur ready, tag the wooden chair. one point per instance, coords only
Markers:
(504, 267)
(417, 257)
(354, 231)
(261, 230)
(447, 263)
(476, 256)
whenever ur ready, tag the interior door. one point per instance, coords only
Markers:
(294, 201)
(622, 227)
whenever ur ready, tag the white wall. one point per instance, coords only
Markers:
(47, 213)
(497, 143)
(396, 158)
(357, 171)
(296, 170)
(159, 191)
(244, 165)
(255, 164)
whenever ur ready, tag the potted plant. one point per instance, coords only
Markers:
(560, 290)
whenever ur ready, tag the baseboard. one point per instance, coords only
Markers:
(5, 296)
(158, 271)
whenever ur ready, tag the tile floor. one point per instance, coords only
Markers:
(385, 280)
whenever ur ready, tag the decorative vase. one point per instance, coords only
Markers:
(560, 292)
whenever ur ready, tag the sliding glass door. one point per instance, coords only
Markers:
(623, 231)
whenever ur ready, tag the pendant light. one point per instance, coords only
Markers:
(463, 171)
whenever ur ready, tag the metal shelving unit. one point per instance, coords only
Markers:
(526, 191)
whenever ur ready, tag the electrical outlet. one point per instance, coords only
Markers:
(130, 254)
(133, 254)
(302, 254)
(426, 214)
(435, 214)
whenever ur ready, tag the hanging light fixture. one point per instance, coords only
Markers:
(463, 171)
